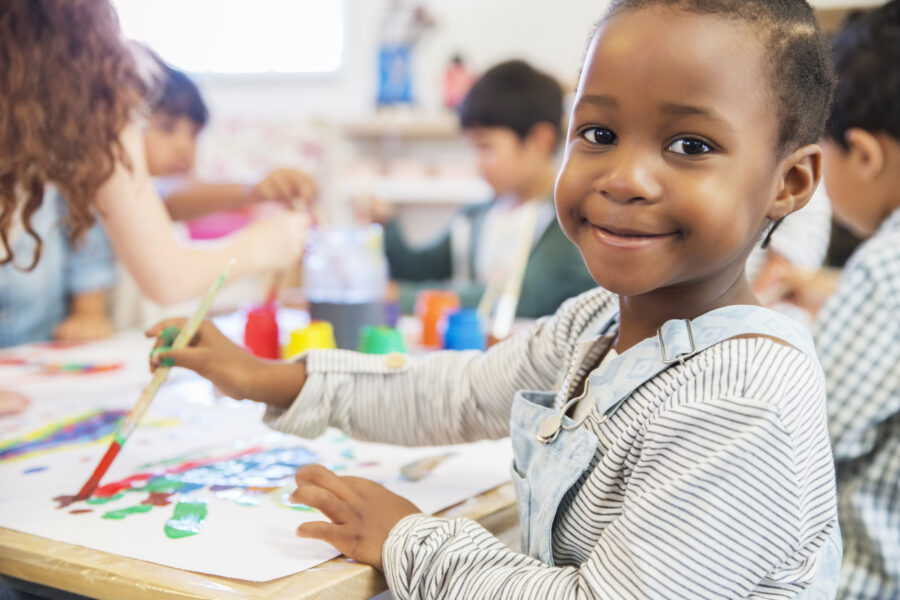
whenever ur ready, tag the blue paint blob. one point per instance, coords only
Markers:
(35, 470)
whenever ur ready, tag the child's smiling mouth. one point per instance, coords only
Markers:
(627, 238)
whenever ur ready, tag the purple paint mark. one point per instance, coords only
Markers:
(85, 428)
(35, 470)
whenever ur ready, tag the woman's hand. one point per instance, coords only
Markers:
(362, 512)
(233, 370)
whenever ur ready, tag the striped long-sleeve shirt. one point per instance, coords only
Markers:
(858, 339)
(713, 480)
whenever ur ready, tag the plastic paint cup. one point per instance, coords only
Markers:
(431, 305)
(318, 335)
(463, 331)
(381, 340)
(261, 332)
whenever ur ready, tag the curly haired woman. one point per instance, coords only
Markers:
(71, 102)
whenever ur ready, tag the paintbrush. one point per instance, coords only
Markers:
(130, 421)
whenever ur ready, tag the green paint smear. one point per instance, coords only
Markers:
(121, 514)
(187, 519)
(162, 485)
(119, 438)
(103, 500)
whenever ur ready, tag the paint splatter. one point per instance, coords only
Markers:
(187, 519)
(85, 428)
(35, 470)
(131, 510)
(80, 511)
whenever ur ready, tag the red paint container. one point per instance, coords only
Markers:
(261, 332)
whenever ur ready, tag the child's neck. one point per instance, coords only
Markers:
(642, 315)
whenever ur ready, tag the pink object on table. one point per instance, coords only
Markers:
(219, 224)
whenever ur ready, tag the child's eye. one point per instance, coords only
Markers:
(600, 136)
(689, 147)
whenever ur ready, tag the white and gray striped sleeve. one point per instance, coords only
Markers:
(440, 398)
(710, 509)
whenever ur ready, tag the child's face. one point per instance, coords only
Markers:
(507, 163)
(851, 195)
(170, 143)
(669, 169)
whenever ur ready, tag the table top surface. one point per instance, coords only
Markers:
(109, 577)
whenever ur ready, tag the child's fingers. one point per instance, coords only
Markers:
(319, 476)
(321, 530)
(324, 501)
(189, 358)
(156, 329)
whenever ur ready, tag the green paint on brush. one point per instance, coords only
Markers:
(119, 438)
(122, 513)
(104, 500)
(186, 519)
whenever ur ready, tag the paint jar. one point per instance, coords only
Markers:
(380, 340)
(431, 306)
(345, 276)
(463, 331)
(261, 331)
(318, 335)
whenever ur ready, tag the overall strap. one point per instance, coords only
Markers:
(679, 339)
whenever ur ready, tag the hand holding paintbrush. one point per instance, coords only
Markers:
(130, 421)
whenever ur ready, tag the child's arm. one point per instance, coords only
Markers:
(441, 398)
(166, 270)
(197, 199)
(88, 318)
(89, 275)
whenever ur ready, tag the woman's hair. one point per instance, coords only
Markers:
(801, 75)
(69, 86)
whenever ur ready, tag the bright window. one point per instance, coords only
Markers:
(239, 36)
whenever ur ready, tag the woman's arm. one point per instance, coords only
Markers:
(167, 270)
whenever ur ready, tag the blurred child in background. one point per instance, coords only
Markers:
(512, 115)
(857, 330)
(178, 115)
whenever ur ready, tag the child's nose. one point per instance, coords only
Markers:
(629, 177)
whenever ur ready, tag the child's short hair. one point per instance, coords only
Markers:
(514, 95)
(801, 75)
(178, 96)
(867, 59)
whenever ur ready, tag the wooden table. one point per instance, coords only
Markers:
(109, 577)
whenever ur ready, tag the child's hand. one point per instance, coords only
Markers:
(83, 327)
(210, 354)
(233, 370)
(287, 186)
(362, 512)
(810, 289)
(369, 209)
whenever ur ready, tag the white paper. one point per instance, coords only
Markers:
(187, 421)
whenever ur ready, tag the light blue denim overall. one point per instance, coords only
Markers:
(551, 451)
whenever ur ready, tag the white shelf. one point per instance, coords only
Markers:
(423, 190)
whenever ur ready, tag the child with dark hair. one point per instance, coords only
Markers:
(685, 453)
(178, 115)
(512, 115)
(858, 329)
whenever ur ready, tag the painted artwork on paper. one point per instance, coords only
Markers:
(202, 483)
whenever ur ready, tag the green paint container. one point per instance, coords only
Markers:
(380, 340)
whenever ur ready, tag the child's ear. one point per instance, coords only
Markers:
(801, 172)
(544, 136)
(866, 156)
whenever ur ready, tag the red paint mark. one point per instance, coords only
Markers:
(113, 488)
(100, 471)
(158, 498)
(64, 501)
(367, 464)
(80, 511)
